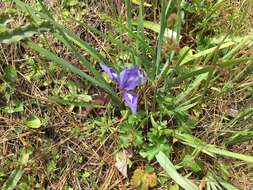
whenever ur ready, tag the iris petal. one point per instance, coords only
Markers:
(143, 75)
(130, 78)
(131, 99)
(110, 72)
(127, 80)
(123, 78)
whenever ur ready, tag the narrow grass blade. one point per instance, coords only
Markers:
(16, 175)
(240, 137)
(243, 115)
(183, 108)
(165, 68)
(163, 25)
(143, 52)
(206, 52)
(66, 65)
(140, 27)
(71, 35)
(213, 57)
(13, 180)
(235, 61)
(209, 149)
(178, 24)
(245, 41)
(118, 44)
(84, 61)
(98, 80)
(170, 169)
(193, 86)
(246, 71)
(51, 56)
(125, 28)
(208, 81)
(85, 46)
(227, 153)
(227, 185)
(129, 14)
(192, 74)
(63, 31)
(215, 182)
(109, 37)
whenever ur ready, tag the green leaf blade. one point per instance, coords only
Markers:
(172, 172)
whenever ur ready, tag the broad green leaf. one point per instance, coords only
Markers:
(151, 151)
(84, 97)
(149, 169)
(4, 19)
(185, 50)
(10, 74)
(174, 187)
(18, 107)
(33, 122)
(168, 33)
(23, 32)
(170, 169)
(189, 162)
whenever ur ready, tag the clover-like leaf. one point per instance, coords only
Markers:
(33, 122)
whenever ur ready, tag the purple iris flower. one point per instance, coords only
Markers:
(127, 80)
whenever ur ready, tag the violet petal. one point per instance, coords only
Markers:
(110, 72)
(131, 99)
(130, 78)
(143, 75)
